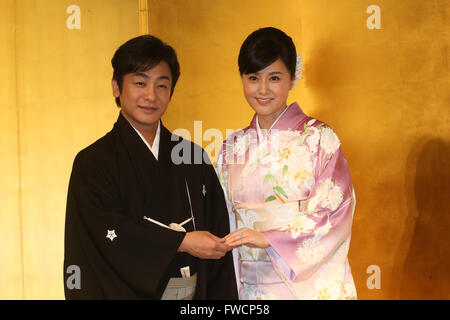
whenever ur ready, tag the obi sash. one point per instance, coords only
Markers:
(256, 266)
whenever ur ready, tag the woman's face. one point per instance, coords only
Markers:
(267, 90)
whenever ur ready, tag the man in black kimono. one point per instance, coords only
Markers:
(130, 199)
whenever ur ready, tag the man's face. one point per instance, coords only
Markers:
(145, 96)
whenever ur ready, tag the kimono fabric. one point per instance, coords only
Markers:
(115, 188)
(293, 184)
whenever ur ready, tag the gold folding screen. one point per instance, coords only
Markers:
(11, 280)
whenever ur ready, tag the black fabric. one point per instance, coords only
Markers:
(117, 181)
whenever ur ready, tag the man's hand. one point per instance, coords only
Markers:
(203, 245)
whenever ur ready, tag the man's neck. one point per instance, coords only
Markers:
(148, 131)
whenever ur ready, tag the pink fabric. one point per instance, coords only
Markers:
(299, 160)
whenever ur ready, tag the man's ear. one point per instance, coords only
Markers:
(115, 88)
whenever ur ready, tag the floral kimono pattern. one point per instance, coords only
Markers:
(292, 184)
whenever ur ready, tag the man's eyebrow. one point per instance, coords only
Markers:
(143, 75)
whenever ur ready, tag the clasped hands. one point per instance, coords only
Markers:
(205, 245)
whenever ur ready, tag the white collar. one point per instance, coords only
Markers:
(155, 147)
(258, 128)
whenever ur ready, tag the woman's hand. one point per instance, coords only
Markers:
(246, 236)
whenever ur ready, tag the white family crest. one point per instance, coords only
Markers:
(111, 235)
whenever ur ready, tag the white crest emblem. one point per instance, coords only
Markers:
(111, 235)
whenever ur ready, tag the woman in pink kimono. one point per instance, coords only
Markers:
(287, 185)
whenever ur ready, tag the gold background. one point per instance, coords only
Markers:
(384, 92)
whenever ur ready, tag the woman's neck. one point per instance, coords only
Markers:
(266, 122)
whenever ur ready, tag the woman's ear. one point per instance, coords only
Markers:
(292, 84)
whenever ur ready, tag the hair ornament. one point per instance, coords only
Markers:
(298, 69)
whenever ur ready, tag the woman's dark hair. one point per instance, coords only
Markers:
(263, 47)
(141, 54)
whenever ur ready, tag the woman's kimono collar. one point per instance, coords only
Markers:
(290, 119)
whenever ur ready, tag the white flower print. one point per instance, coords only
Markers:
(280, 137)
(241, 145)
(323, 230)
(313, 139)
(329, 140)
(297, 179)
(313, 202)
(329, 285)
(328, 290)
(311, 251)
(287, 165)
(247, 218)
(301, 224)
(295, 156)
(349, 291)
(329, 195)
(334, 199)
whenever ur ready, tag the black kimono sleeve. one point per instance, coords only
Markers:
(131, 261)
